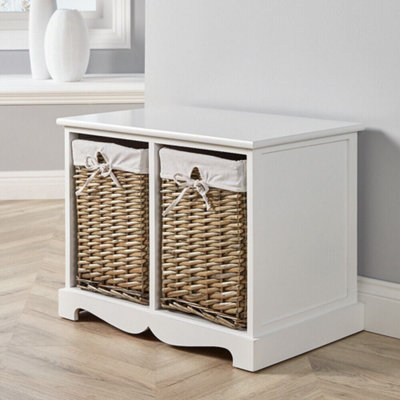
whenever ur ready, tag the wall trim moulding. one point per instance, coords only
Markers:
(382, 306)
(110, 28)
(93, 89)
(31, 185)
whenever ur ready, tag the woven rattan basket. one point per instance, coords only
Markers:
(112, 221)
(204, 252)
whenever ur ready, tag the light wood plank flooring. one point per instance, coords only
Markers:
(43, 357)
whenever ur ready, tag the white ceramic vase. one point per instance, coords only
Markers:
(66, 46)
(40, 12)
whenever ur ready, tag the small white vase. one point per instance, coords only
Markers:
(40, 12)
(66, 46)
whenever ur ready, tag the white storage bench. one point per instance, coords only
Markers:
(299, 250)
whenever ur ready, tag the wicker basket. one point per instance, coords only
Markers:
(204, 254)
(112, 220)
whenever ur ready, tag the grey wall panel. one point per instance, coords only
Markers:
(30, 138)
(335, 59)
(101, 61)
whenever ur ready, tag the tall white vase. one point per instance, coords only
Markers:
(40, 12)
(67, 48)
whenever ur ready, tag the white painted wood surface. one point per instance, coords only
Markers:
(70, 212)
(93, 89)
(382, 306)
(204, 125)
(304, 206)
(155, 225)
(25, 185)
(302, 282)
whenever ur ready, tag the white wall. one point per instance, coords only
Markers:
(322, 58)
(30, 140)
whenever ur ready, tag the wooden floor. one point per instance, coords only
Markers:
(44, 357)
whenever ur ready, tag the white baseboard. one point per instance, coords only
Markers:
(27, 185)
(382, 306)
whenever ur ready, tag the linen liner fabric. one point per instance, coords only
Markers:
(214, 171)
(119, 157)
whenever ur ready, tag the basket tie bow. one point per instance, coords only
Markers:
(188, 183)
(103, 168)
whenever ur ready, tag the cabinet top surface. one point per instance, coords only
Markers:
(237, 129)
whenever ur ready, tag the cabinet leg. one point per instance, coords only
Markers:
(66, 308)
(243, 355)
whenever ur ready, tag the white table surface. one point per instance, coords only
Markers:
(214, 126)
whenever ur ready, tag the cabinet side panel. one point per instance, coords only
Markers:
(301, 231)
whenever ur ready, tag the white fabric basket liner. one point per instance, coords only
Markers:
(216, 172)
(119, 157)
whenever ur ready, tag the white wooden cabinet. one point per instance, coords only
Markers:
(302, 229)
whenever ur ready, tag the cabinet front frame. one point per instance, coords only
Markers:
(154, 145)
(255, 325)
